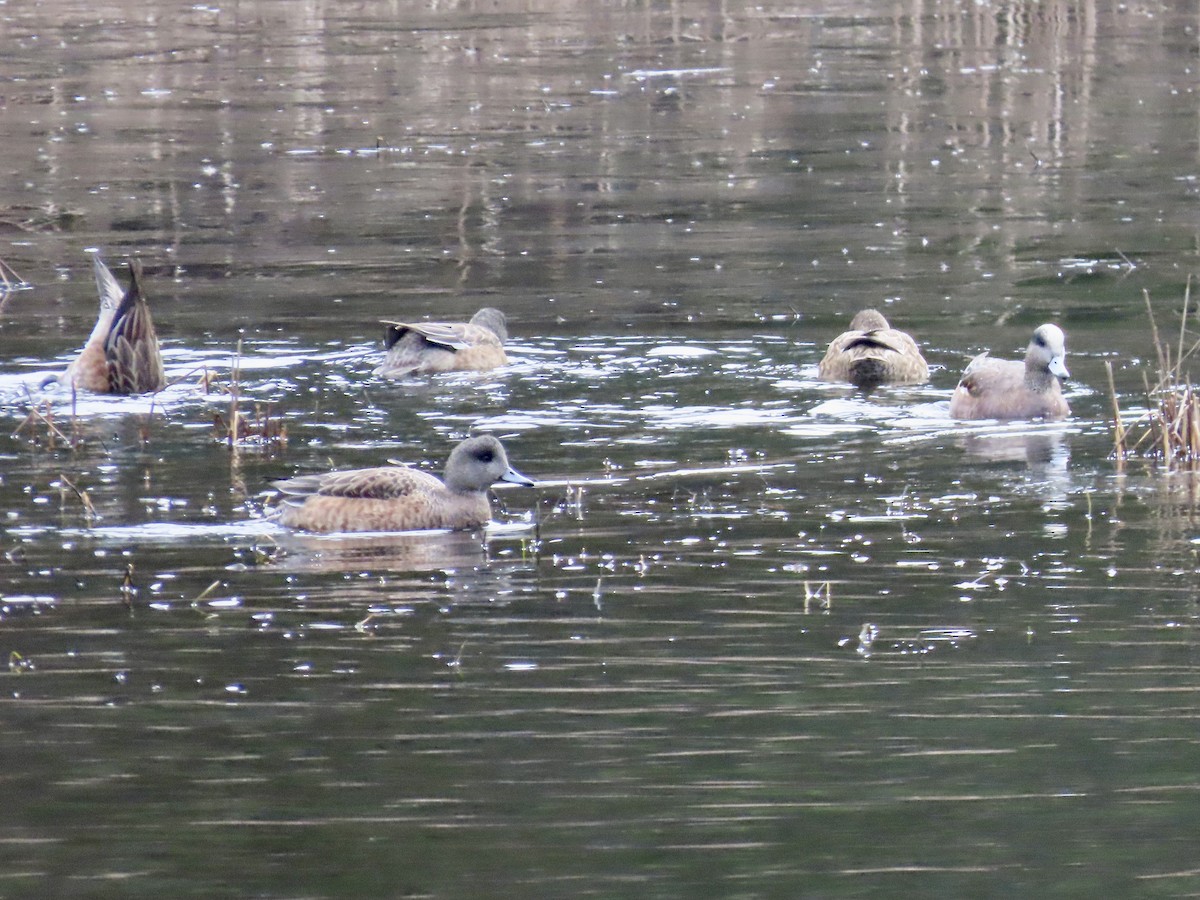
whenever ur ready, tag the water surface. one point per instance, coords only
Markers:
(754, 635)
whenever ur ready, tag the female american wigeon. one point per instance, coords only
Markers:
(1008, 389)
(121, 355)
(397, 498)
(426, 348)
(873, 353)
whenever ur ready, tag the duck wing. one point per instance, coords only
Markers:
(380, 483)
(987, 375)
(450, 335)
(888, 339)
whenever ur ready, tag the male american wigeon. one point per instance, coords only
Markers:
(425, 348)
(121, 355)
(1008, 389)
(873, 353)
(397, 498)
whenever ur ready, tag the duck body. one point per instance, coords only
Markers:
(427, 348)
(399, 498)
(122, 354)
(872, 353)
(1010, 389)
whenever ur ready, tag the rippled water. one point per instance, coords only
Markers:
(753, 634)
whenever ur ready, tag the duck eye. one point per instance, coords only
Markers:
(1039, 340)
(485, 456)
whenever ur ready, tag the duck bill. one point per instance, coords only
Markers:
(515, 477)
(1059, 368)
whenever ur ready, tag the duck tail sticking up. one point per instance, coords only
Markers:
(135, 363)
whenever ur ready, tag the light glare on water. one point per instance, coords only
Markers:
(753, 633)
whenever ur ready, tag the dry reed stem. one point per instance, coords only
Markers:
(128, 588)
(1119, 450)
(208, 590)
(1158, 345)
(1183, 324)
(9, 279)
(822, 595)
(235, 388)
(1170, 430)
(264, 427)
(47, 418)
(89, 510)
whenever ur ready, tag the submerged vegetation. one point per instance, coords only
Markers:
(1168, 431)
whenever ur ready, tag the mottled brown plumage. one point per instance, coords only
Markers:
(122, 354)
(397, 498)
(426, 348)
(1009, 389)
(873, 353)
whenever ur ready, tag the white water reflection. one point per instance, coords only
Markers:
(658, 671)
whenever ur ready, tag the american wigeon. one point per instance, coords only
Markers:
(425, 348)
(121, 355)
(873, 353)
(1008, 389)
(397, 498)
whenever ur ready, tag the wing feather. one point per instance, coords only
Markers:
(380, 483)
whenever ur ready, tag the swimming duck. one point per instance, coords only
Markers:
(121, 355)
(425, 348)
(399, 498)
(1009, 389)
(873, 353)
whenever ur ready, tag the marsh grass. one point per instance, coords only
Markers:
(1169, 431)
(67, 486)
(10, 281)
(129, 589)
(818, 598)
(42, 426)
(263, 427)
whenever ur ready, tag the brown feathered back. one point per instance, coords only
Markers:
(397, 498)
(873, 353)
(131, 350)
(425, 348)
(1007, 389)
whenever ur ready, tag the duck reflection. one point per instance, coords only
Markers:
(1045, 454)
(429, 551)
(1042, 449)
